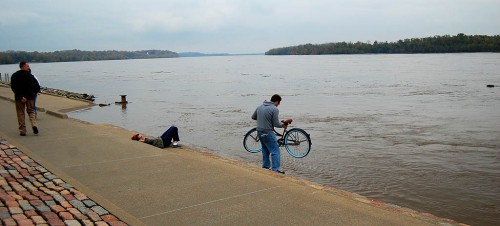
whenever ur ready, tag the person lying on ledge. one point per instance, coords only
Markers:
(171, 136)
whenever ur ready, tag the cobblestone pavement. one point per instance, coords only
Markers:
(31, 195)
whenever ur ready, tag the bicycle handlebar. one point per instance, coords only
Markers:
(287, 122)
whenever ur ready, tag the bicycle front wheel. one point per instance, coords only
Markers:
(251, 141)
(297, 143)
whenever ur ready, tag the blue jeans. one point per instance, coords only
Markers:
(34, 101)
(269, 147)
(172, 133)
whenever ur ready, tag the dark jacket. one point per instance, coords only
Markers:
(36, 84)
(21, 83)
(158, 142)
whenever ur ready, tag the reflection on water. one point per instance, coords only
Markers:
(420, 131)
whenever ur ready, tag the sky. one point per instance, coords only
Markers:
(232, 26)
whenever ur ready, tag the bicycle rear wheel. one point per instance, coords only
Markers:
(251, 141)
(297, 143)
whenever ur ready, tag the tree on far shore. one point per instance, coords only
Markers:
(13, 57)
(460, 43)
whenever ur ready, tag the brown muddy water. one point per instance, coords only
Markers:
(420, 131)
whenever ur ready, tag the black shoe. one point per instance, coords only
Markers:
(22, 134)
(279, 171)
(35, 130)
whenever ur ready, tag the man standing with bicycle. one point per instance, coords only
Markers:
(267, 116)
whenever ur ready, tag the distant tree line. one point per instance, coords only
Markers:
(437, 44)
(12, 57)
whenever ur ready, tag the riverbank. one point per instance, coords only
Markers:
(142, 184)
(60, 93)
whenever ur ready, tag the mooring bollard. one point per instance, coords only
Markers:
(124, 98)
(123, 102)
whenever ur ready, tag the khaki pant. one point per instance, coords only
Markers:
(20, 107)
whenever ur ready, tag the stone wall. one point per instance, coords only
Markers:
(62, 93)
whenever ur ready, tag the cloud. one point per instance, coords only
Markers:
(180, 16)
(233, 25)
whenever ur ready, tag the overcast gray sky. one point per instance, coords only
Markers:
(232, 26)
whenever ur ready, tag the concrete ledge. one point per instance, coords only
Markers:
(57, 114)
(39, 109)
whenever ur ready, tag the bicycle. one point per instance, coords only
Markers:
(296, 141)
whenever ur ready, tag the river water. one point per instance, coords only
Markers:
(421, 131)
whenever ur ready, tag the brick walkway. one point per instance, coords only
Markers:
(31, 195)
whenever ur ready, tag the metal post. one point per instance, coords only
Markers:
(124, 98)
(123, 102)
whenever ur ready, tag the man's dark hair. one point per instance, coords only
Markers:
(21, 64)
(275, 98)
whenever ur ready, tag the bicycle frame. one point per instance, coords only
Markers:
(281, 140)
(296, 141)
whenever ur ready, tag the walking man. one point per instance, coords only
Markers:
(23, 87)
(267, 116)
